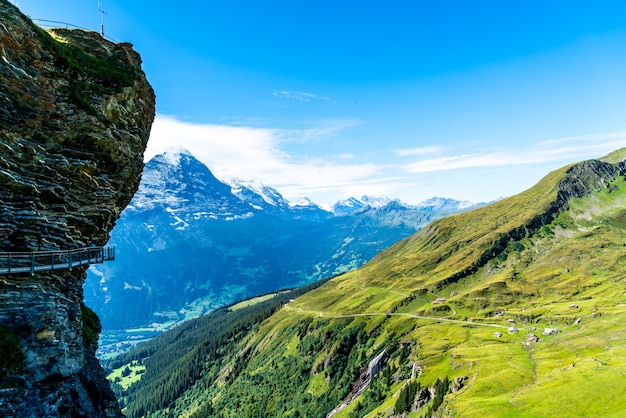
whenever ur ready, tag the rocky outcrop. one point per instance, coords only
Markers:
(75, 116)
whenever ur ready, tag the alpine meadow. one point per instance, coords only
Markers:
(514, 309)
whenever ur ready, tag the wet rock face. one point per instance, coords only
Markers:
(75, 116)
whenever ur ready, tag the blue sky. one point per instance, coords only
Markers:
(409, 99)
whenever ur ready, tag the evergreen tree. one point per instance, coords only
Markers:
(406, 397)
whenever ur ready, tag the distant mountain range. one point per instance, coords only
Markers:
(189, 243)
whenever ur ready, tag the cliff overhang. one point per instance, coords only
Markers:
(75, 116)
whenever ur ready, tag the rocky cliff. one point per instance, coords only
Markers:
(75, 116)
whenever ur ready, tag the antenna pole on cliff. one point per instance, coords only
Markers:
(103, 13)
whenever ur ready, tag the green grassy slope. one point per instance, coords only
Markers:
(551, 257)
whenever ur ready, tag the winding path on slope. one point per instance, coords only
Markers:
(408, 315)
(531, 383)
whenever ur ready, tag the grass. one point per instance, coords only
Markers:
(86, 74)
(589, 359)
(317, 384)
(252, 301)
(577, 258)
(505, 262)
(133, 374)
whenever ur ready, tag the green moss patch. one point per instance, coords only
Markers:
(85, 73)
(11, 355)
(91, 326)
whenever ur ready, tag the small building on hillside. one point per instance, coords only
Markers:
(551, 331)
(438, 301)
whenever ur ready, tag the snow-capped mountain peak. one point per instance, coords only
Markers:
(305, 201)
(177, 183)
(250, 191)
(352, 204)
(173, 155)
(446, 203)
(377, 201)
(347, 206)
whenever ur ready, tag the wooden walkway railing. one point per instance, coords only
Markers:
(31, 262)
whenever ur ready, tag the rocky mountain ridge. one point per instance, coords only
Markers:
(185, 186)
(75, 117)
(177, 181)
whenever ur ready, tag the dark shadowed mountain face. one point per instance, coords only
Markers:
(189, 243)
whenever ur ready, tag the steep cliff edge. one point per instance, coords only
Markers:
(75, 116)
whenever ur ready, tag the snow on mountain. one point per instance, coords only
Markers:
(257, 194)
(378, 201)
(179, 184)
(305, 201)
(173, 154)
(176, 182)
(353, 205)
(440, 203)
(347, 207)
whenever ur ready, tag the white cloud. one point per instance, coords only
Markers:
(324, 129)
(301, 96)
(434, 149)
(595, 138)
(346, 156)
(261, 154)
(256, 154)
(580, 147)
(214, 144)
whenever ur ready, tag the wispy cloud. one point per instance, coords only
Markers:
(434, 149)
(321, 130)
(556, 150)
(586, 139)
(301, 96)
(270, 156)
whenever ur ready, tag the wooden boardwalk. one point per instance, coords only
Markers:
(36, 261)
